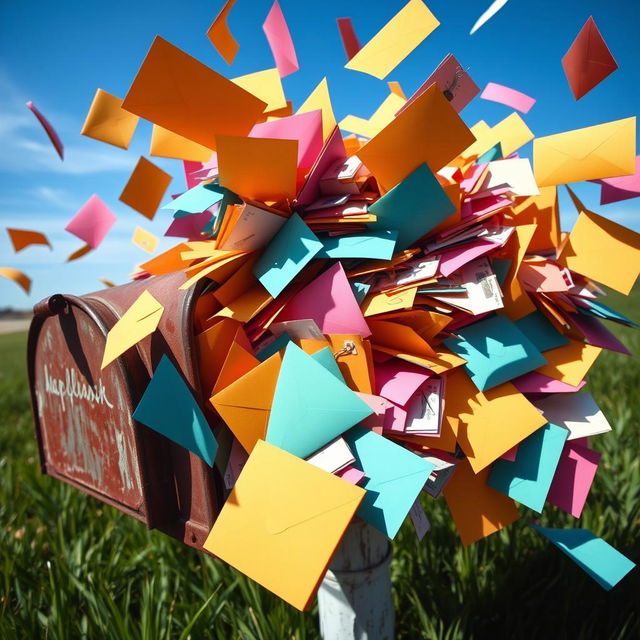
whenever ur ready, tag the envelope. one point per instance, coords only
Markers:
(179, 93)
(329, 302)
(541, 210)
(252, 228)
(570, 364)
(145, 239)
(19, 277)
(394, 478)
(311, 406)
(92, 222)
(52, 134)
(398, 381)
(511, 133)
(602, 250)
(320, 98)
(271, 531)
(597, 558)
(534, 382)
(506, 95)
(166, 262)
(588, 61)
(476, 508)
(573, 478)
(421, 193)
(496, 351)
(197, 199)
(258, 168)
(602, 151)
(220, 35)
(379, 303)
(168, 407)
(245, 405)
(78, 253)
(145, 188)
(23, 238)
(108, 122)
(265, 85)
(400, 337)
(395, 41)
(381, 117)
(541, 332)
(369, 244)
(620, 188)
(279, 38)
(167, 144)
(514, 172)
(428, 131)
(238, 362)
(528, 479)
(356, 364)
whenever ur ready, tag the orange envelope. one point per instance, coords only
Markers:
(238, 283)
(146, 188)
(476, 508)
(238, 362)
(270, 529)
(220, 35)
(108, 122)
(541, 210)
(166, 144)
(219, 269)
(20, 278)
(602, 250)
(262, 169)
(443, 360)
(398, 336)
(570, 363)
(246, 306)
(356, 366)
(78, 253)
(428, 130)
(166, 262)
(245, 405)
(23, 238)
(181, 94)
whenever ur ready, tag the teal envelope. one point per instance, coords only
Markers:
(311, 406)
(197, 199)
(541, 332)
(395, 477)
(273, 347)
(288, 253)
(325, 357)
(495, 153)
(496, 351)
(413, 207)
(602, 311)
(501, 268)
(374, 245)
(168, 407)
(606, 565)
(360, 290)
(528, 479)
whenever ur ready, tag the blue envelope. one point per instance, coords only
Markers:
(541, 332)
(168, 407)
(395, 477)
(528, 479)
(311, 406)
(606, 565)
(374, 245)
(360, 290)
(288, 253)
(413, 207)
(496, 351)
(197, 199)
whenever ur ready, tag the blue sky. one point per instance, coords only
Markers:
(57, 54)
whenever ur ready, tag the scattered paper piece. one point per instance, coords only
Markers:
(92, 222)
(108, 122)
(145, 240)
(19, 277)
(279, 38)
(220, 35)
(491, 11)
(507, 96)
(145, 188)
(349, 38)
(48, 128)
(23, 238)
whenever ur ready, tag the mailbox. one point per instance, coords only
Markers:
(83, 415)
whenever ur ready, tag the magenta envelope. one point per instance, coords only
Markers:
(507, 96)
(397, 380)
(329, 302)
(189, 226)
(622, 188)
(534, 382)
(92, 222)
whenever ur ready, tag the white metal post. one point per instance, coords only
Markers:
(354, 599)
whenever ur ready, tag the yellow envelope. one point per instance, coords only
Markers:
(381, 117)
(602, 250)
(145, 240)
(145, 188)
(262, 169)
(395, 41)
(320, 98)
(428, 130)
(602, 151)
(512, 133)
(283, 522)
(138, 321)
(181, 94)
(265, 85)
(541, 210)
(108, 122)
(570, 363)
(166, 144)
(382, 303)
(477, 509)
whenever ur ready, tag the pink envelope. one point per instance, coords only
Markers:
(329, 302)
(395, 419)
(543, 276)
(189, 226)
(280, 42)
(332, 152)
(573, 478)
(535, 382)
(481, 206)
(472, 176)
(510, 97)
(92, 222)
(622, 188)
(597, 334)
(510, 455)
(452, 259)
(380, 405)
(306, 128)
(350, 474)
(49, 130)
(397, 380)
(192, 173)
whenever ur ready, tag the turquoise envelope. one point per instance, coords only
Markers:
(311, 406)
(288, 253)
(395, 477)
(528, 479)
(273, 347)
(325, 357)
(168, 407)
(360, 290)
(541, 332)
(374, 245)
(606, 565)
(495, 153)
(413, 207)
(197, 199)
(496, 351)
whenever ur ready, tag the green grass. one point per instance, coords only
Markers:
(71, 567)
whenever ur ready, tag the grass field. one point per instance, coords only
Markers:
(71, 567)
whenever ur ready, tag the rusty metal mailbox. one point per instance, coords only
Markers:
(83, 416)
